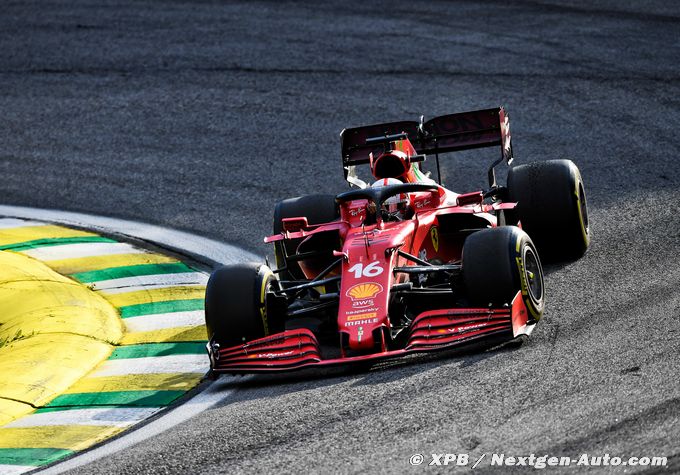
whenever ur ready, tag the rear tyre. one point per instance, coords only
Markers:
(552, 207)
(236, 306)
(498, 263)
(317, 209)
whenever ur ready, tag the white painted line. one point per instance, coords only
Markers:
(85, 249)
(216, 392)
(160, 321)
(14, 469)
(153, 364)
(129, 284)
(206, 250)
(112, 416)
(10, 223)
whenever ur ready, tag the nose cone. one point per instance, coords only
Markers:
(364, 310)
(360, 330)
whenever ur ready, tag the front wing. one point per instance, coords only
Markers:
(433, 330)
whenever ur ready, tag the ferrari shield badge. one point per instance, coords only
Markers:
(434, 234)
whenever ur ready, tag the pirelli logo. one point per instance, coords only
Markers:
(361, 316)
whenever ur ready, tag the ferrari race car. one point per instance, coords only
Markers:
(403, 266)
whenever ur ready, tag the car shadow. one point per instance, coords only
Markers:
(267, 386)
(469, 356)
(552, 267)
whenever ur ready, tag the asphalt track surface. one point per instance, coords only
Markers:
(199, 116)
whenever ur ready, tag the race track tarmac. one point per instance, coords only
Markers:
(201, 115)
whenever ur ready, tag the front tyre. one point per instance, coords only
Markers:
(498, 263)
(236, 304)
(552, 207)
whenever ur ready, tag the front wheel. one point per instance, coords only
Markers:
(236, 304)
(498, 263)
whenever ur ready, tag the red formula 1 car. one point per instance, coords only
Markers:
(402, 266)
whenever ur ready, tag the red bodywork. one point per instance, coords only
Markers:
(367, 278)
(370, 256)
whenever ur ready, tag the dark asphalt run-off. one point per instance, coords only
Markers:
(201, 115)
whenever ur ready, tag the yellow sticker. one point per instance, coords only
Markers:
(434, 234)
(361, 316)
(263, 304)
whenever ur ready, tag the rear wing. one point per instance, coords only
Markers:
(446, 133)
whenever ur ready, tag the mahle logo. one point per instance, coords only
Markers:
(364, 291)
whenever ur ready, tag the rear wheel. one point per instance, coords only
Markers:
(552, 207)
(498, 263)
(317, 209)
(236, 306)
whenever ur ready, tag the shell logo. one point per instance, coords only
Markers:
(364, 291)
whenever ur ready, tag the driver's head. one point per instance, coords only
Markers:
(392, 164)
(396, 205)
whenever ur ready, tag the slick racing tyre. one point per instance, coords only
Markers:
(317, 209)
(498, 263)
(236, 306)
(551, 207)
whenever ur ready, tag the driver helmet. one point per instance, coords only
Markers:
(397, 204)
(391, 164)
